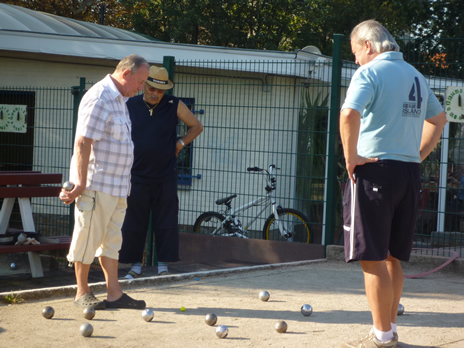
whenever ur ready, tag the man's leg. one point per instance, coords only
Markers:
(116, 298)
(82, 278)
(380, 293)
(110, 270)
(396, 275)
(165, 207)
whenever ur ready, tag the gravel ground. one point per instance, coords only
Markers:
(434, 310)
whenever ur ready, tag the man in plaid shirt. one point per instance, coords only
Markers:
(100, 172)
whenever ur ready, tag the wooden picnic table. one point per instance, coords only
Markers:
(22, 186)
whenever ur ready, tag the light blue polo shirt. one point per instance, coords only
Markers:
(393, 99)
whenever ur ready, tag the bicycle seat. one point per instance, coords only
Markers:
(225, 200)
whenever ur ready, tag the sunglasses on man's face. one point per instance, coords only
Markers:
(152, 89)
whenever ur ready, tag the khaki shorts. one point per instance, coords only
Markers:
(97, 227)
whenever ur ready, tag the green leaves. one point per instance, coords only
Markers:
(262, 24)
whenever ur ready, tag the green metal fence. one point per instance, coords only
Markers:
(45, 146)
(257, 113)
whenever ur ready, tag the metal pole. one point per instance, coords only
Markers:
(330, 209)
(151, 259)
(443, 179)
(78, 93)
(168, 63)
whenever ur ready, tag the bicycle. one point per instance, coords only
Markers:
(287, 225)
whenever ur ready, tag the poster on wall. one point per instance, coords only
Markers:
(454, 104)
(13, 118)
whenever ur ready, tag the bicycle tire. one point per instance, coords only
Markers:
(298, 222)
(207, 222)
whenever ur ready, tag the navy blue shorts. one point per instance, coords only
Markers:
(380, 209)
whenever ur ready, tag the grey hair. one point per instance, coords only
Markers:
(132, 62)
(374, 32)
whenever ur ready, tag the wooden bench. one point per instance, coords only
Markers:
(22, 186)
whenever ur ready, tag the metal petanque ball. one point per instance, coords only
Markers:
(222, 331)
(281, 326)
(147, 314)
(264, 295)
(68, 186)
(306, 310)
(211, 319)
(13, 266)
(400, 309)
(86, 330)
(48, 312)
(89, 313)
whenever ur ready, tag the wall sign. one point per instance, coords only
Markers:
(13, 118)
(454, 104)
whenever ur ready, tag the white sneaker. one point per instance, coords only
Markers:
(370, 341)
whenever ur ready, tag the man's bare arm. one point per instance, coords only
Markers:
(82, 148)
(433, 127)
(194, 125)
(350, 123)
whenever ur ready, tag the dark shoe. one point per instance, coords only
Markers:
(125, 301)
(89, 301)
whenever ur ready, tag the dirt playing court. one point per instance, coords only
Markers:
(434, 311)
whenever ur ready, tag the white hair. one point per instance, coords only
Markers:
(132, 63)
(374, 32)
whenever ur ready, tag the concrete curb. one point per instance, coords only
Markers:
(70, 291)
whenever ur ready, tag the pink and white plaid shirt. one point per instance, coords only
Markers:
(103, 117)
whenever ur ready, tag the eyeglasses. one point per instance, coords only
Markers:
(152, 89)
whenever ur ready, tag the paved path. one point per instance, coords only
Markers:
(434, 311)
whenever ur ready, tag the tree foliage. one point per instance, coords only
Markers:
(116, 15)
(262, 24)
(259, 24)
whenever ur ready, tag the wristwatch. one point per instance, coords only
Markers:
(181, 142)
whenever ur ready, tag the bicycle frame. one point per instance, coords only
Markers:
(269, 199)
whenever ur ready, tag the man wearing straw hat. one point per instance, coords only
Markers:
(154, 116)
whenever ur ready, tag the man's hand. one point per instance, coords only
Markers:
(82, 149)
(179, 147)
(358, 161)
(67, 197)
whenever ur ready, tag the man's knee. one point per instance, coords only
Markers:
(372, 267)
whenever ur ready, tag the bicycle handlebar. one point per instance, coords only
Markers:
(254, 169)
(269, 176)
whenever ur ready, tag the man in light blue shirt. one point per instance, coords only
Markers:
(389, 123)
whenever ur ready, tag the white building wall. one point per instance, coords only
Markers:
(246, 124)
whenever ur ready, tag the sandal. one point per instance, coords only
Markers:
(125, 301)
(89, 301)
(163, 273)
(134, 275)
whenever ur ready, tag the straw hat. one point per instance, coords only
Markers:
(159, 78)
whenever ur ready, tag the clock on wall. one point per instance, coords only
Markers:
(454, 104)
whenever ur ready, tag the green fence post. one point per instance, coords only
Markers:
(332, 185)
(78, 93)
(151, 258)
(168, 63)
